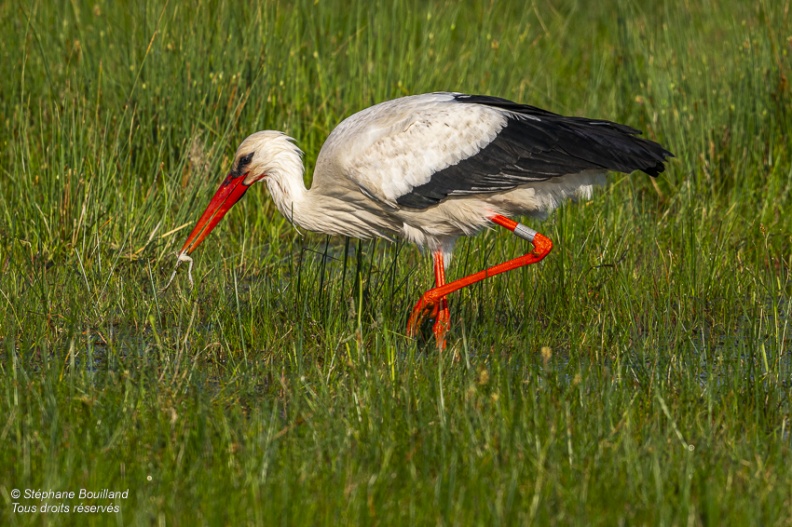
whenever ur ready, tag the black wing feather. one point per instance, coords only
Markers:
(536, 145)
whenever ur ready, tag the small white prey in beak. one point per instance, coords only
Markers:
(181, 257)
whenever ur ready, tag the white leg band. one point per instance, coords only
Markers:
(526, 233)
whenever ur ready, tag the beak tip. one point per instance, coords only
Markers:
(230, 191)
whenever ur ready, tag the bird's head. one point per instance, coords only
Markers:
(260, 156)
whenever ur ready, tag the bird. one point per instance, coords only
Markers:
(430, 168)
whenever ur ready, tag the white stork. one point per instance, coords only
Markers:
(430, 168)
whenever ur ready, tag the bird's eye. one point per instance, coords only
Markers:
(244, 161)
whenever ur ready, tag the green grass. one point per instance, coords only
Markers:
(282, 389)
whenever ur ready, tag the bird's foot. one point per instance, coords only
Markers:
(430, 311)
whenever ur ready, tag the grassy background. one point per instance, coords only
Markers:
(639, 375)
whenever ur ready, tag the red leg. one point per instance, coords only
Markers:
(437, 311)
(440, 312)
(433, 302)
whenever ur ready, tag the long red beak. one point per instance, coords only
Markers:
(226, 196)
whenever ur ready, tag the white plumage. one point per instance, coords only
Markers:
(430, 168)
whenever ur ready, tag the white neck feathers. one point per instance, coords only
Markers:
(278, 161)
